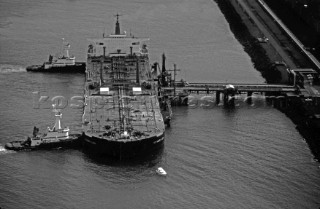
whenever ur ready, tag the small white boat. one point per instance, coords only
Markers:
(161, 171)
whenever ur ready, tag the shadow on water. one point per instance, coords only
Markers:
(311, 138)
(310, 134)
(148, 160)
(230, 108)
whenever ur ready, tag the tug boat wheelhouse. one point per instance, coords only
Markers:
(122, 116)
(60, 64)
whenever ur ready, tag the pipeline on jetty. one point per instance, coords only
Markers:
(293, 86)
(281, 59)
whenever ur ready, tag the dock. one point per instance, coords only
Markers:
(240, 87)
(300, 83)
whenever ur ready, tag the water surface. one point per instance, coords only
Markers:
(247, 157)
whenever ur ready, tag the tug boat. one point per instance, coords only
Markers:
(56, 137)
(166, 110)
(60, 64)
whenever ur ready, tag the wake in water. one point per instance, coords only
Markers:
(5, 151)
(6, 68)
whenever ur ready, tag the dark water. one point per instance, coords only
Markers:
(248, 157)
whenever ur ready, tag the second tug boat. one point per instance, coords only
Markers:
(122, 117)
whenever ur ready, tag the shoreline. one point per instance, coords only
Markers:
(263, 55)
(259, 57)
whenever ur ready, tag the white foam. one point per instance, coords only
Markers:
(5, 151)
(2, 149)
(7, 68)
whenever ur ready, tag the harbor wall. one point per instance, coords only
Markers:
(246, 32)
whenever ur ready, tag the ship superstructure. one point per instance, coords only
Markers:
(122, 117)
(63, 63)
(55, 137)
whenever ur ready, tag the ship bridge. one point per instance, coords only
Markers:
(117, 44)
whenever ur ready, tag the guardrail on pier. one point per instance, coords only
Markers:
(207, 87)
(182, 90)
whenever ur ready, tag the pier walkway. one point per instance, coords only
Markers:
(181, 90)
(239, 87)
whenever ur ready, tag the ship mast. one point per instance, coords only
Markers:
(65, 48)
(58, 115)
(117, 29)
